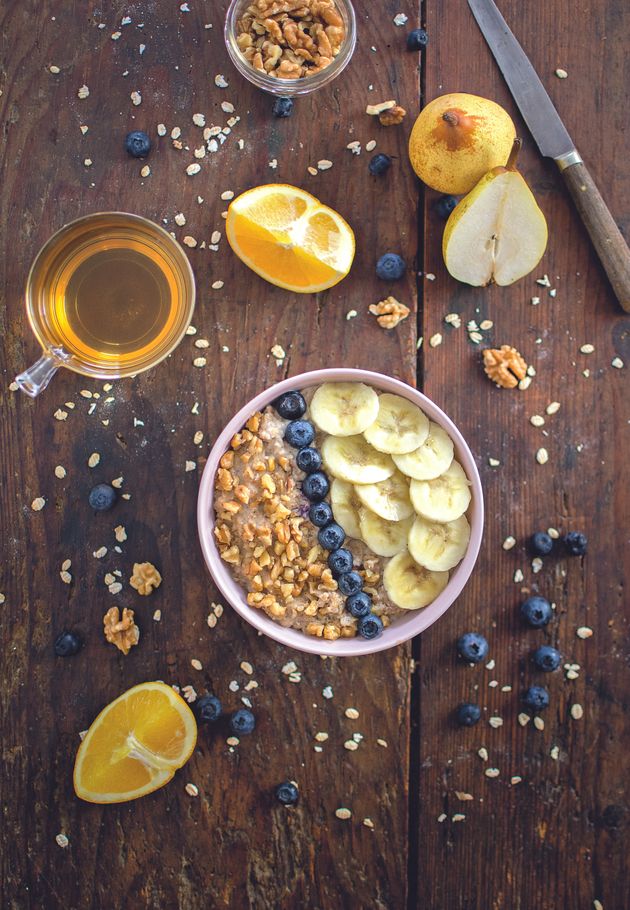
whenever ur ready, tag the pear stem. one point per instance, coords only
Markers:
(511, 162)
(450, 117)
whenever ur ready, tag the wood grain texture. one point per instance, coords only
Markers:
(233, 846)
(607, 239)
(558, 839)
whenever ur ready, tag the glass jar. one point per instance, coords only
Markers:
(290, 87)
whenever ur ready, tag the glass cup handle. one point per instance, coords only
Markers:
(36, 378)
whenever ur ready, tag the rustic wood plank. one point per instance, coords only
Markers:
(556, 839)
(233, 846)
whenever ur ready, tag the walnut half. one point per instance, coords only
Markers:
(389, 312)
(123, 633)
(504, 366)
(145, 577)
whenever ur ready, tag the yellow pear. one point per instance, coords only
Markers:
(456, 139)
(497, 233)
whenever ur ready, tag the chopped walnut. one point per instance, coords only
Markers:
(145, 577)
(504, 366)
(123, 633)
(392, 116)
(389, 312)
(290, 39)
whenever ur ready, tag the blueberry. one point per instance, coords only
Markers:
(102, 497)
(349, 583)
(138, 144)
(468, 714)
(299, 433)
(320, 514)
(536, 698)
(331, 538)
(315, 486)
(417, 40)
(379, 164)
(282, 107)
(390, 267)
(242, 722)
(547, 658)
(576, 543)
(472, 647)
(340, 561)
(208, 708)
(359, 604)
(540, 543)
(536, 611)
(308, 460)
(287, 793)
(291, 405)
(67, 644)
(370, 626)
(444, 206)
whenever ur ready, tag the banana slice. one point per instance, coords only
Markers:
(409, 585)
(385, 538)
(400, 426)
(353, 459)
(344, 408)
(345, 507)
(443, 499)
(436, 546)
(431, 459)
(389, 498)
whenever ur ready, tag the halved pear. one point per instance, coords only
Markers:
(497, 233)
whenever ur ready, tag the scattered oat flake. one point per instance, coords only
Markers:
(537, 421)
(94, 460)
(199, 119)
(483, 753)
(494, 462)
(516, 779)
(312, 170)
(577, 712)
(435, 340)
(220, 81)
(351, 713)
(60, 472)
(157, 616)
(554, 753)
(453, 319)
(117, 482)
(486, 325)
(83, 92)
(492, 772)
(617, 363)
(324, 164)
(368, 823)
(382, 742)
(115, 588)
(553, 407)
(321, 737)
(38, 504)
(192, 790)
(190, 466)
(370, 146)
(196, 664)
(199, 362)
(193, 169)
(217, 285)
(587, 349)
(2, 598)
(584, 632)
(508, 543)
(62, 840)
(278, 352)
(518, 577)
(463, 797)
(597, 905)
(54, 69)
(66, 577)
(227, 107)
(100, 553)
(458, 817)
(60, 414)
(562, 74)
(343, 813)
(351, 745)
(136, 98)
(491, 664)
(542, 456)
(246, 667)
(537, 564)
(495, 722)
(216, 236)
(189, 241)
(442, 817)
(227, 195)
(327, 692)
(145, 171)
(544, 281)
(539, 723)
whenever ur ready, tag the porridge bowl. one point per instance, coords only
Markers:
(340, 512)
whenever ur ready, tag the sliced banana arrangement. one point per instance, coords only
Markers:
(396, 487)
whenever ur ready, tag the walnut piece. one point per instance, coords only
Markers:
(504, 366)
(145, 577)
(123, 633)
(392, 115)
(389, 312)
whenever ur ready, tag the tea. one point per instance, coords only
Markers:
(109, 295)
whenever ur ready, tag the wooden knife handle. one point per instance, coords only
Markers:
(607, 239)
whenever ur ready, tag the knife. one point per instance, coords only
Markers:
(554, 142)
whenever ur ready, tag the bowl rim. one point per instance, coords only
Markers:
(394, 635)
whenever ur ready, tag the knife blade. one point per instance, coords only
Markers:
(554, 141)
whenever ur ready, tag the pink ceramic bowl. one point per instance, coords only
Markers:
(402, 628)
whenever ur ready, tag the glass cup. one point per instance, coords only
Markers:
(109, 295)
(290, 87)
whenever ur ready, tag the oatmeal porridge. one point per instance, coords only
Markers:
(341, 508)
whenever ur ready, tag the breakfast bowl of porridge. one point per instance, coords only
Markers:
(340, 512)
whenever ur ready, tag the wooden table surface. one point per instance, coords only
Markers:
(551, 841)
